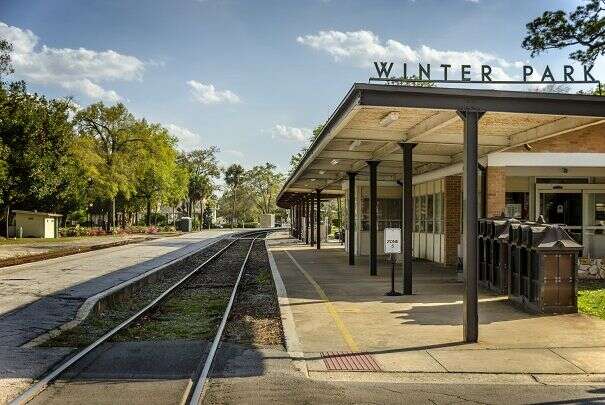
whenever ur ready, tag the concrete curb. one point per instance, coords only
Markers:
(293, 345)
(118, 292)
(458, 378)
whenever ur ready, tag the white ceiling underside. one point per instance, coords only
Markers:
(373, 133)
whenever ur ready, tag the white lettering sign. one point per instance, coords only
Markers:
(444, 73)
(392, 240)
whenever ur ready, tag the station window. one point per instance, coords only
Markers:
(517, 205)
(388, 213)
(428, 213)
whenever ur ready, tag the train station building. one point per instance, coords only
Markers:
(420, 159)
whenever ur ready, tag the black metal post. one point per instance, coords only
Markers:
(470, 244)
(407, 219)
(312, 218)
(373, 164)
(306, 216)
(318, 213)
(351, 218)
(340, 227)
(299, 222)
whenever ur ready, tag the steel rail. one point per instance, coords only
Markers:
(38, 387)
(198, 393)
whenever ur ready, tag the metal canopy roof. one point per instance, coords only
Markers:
(372, 119)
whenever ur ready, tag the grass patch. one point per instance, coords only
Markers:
(591, 297)
(191, 314)
(264, 277)
(95, 325)
(27, 241)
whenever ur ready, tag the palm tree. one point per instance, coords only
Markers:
(234, 176)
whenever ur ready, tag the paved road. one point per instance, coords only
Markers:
(38, 297)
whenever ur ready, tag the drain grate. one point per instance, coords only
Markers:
(349, 361)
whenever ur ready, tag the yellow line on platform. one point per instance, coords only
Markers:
(346, 335)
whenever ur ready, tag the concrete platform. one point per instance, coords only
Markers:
(331, 306)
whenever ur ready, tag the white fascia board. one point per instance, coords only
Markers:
(451, 170)
(531, 159)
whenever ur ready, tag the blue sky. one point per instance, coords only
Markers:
(251, 77)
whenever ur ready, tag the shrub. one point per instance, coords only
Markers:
(80, 231)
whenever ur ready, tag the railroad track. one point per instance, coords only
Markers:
(194, 391)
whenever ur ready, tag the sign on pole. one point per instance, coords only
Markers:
(392, 240)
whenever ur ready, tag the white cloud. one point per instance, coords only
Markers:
(188, 140)
(80, 70)
(361, 48)
(291, 133)
(234, 152)
(208, 94)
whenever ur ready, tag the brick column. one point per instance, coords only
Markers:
(496, 190)
(452, 211)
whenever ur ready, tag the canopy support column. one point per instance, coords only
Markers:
(470, 244)
(306, 208)
(299, 221)
(318, 213)
(373, 164)
(351, 240)
(312, 218)
(407, 222)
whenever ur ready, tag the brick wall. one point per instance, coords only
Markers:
(452, 211)
(496, 190)
(587, 140)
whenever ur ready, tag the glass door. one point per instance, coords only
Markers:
(563, 207)
(594, 223)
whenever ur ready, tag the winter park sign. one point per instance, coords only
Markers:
(443, 73)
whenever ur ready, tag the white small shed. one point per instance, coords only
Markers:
(267, 221)
(37, 224)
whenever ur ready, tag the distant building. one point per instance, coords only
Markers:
(36, 224)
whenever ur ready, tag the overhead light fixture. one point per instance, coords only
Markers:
(334, 162)
(355, 144)
(389, 119)
(322, 172)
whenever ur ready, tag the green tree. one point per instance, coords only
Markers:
(37, 157)
(109, 138)
(266, 181)
(238, 205)
(234, 177)
(584, 27)
(597, 91)
(6, 48)
(410, 82)
(296, 158)
(159, 177)
(203, 169)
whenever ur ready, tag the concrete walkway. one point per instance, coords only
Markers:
(34, 246)
(38, 297)
(338, 308)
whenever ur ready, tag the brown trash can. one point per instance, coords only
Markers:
(514, 262)
(498, 269)
(554, 261)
